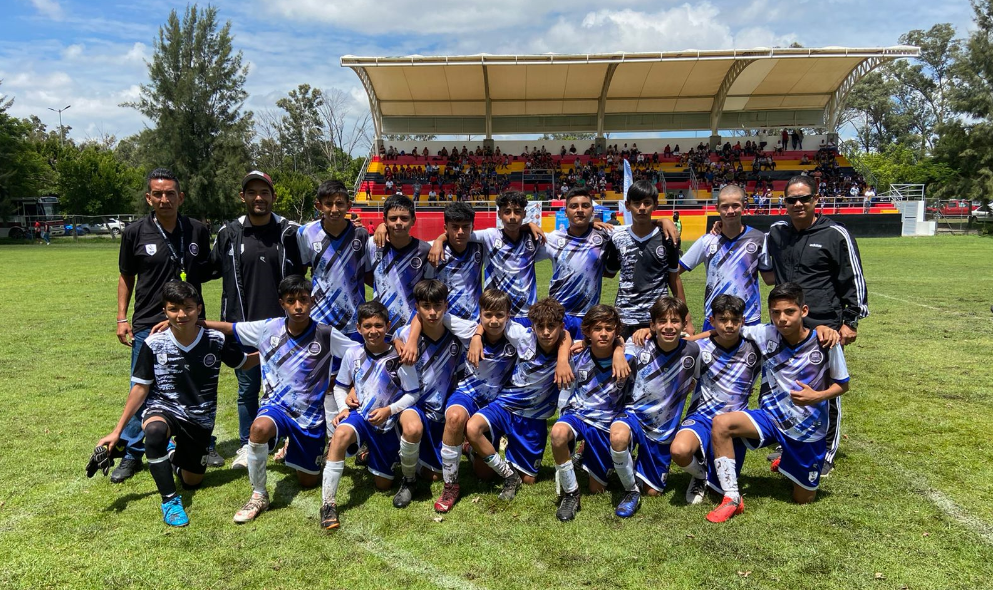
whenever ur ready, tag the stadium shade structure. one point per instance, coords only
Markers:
(615, 92)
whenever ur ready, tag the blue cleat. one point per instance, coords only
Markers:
(629, 504)
(173, 513)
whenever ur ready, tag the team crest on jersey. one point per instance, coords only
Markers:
(356, 244)
(688, 362)
(812, 476)
(509, 350)
(498, 244)
(583, 374)
(597, 240)
(162, 357)
(712, 249)
(707, 357)
(770, 347)
(529, 244)
(528, 354)
(751, 248)
(561, 242)
(151, 249)
(317, 246)
(314, 348)
(453, 349)
(816, 357)
(210, 360)
(379, 255)
(660, 251)
(194, 248)
(477, 257)
(357, 364)
(273, 341)
(391, 365)
(416, 263)
(688, 423)
(645, 357)
(751, 359)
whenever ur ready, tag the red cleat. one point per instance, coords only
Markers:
(774, 466)
(448, 498)
(726, 510)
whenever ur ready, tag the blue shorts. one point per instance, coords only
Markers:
(305, 451)
(525, 437)
(384, 447)
(701, 426)
(430, 453)
(597, 460)
(801, 461)
(651, 464)
(464, 401)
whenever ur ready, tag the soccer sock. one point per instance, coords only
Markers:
(567, 477)
(165, 481)
(450, 456)
(624, 467)
(696, 469)
(497, 464)
(258, 454)
(332, 476)
(408, 458)
(724, 466)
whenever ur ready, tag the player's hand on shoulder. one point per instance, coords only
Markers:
(688, 329)
(604, 227)
(160, 327)
(805, 396)
(537, 233)
(380, 236)
(828, 337)
(578, 346)
(475, 352)
(640, 337)
(407, 351)
(436, 253)
(357, 221)
(669, 229)
(563, 375)
(717, 228)
(620, 366)
(379, 416)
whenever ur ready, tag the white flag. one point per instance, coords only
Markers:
(628, 180)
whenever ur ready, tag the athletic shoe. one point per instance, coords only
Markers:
(405, 494)
(173, 513)
(240, 458)
(628, 506)
(280, 455)
(214, 459)
(577, 457)
(569, 506)
(258, 504)
(449, 496)
(511, 484)
(171, 449)
(827, 468)
(126, 470)
(777, 453)
(774, 466)
(329, 517)
(696, 491)
(726, 510)
(362, 456)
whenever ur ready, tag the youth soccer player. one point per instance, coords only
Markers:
(383, 390)
(175, 378)
(461, 263)
(587, 409)
(799, 377)
(399, 264)
(648, 263)
(666, 369)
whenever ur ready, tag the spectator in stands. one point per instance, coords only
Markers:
(424, 152)
(667, 152)
(784, 139)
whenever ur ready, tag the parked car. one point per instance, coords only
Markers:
(112, 226)
(81, 229)
(982, 214)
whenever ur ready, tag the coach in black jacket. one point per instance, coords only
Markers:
(820, 256)
(251, 255)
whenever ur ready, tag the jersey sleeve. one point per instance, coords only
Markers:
(231, 354)
(370, 253)
(611, 255)
(837, 365)
(694, 256)
(463, 329)
(295, 260)
(303, 248)
(249, 333)
(144, 369)
(672, 256)
(765, 260)
(757, 334)
(340, 343)
(344, 377)
(483, 236)
(517, 335)
(126, 262)
(410, 381)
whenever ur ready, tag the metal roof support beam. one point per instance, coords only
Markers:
(836, 104)
(489, 105)
(374, 107)
(717, 109)
(601, 108)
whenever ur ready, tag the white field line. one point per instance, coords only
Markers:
(931, 307)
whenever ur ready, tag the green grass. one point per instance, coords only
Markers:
(909, 505)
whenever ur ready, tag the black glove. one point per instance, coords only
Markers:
(99, 461)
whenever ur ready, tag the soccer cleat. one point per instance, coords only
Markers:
(726, 510)
(170, 449)
(774, 466)
(255, 506)
(449, 496)
(778, 452)
(362, 457)
(577, 457)
(569, 506)
(628, 506)
(511, 484)
(240, 458)
(405, 494)
(696, 491)
(329, 517)
(827, 468)
(173, 513)
(126, 470)
(280, 455)
(214, 459)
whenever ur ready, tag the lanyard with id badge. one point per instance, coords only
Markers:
(176, 258)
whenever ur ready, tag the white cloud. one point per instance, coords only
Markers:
(73, 51)
(137, 53)
(50, 8)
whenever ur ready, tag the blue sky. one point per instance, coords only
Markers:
(91, 54)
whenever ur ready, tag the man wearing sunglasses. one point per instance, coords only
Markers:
(823, 258)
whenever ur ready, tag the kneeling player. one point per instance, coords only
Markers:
(799, 376)
(383, 389)
(665, 371)
(176, 380)
(588, 407)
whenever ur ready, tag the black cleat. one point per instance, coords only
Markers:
(569, 506)
(126, 470)
(329, 517)
(511, 484)
(405, 494)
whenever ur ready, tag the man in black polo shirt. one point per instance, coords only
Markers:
(164, 246)
(252, 254)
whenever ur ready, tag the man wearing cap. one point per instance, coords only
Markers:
(251, 255)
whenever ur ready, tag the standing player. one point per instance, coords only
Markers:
(399, 264)
(799, 376)
(164, 246)
(461, 263)
(731, 258)
(175, 380)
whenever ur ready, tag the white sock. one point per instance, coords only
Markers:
(258, 454)
(497, 464)
(332, 476)
(408, 457)
(567, 477)
(724, 466)
(330, 411)
(696, 469)
(450, 456)
(624, 467)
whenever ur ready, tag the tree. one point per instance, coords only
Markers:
(301, 129)
(23, 170)
(871, 110)
(92, 181)
(195, 97)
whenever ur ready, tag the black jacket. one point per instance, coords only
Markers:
(225, 258)
(824, 260)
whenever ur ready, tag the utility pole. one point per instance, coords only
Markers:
(62, 132)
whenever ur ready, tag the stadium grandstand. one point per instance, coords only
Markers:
(756, 105)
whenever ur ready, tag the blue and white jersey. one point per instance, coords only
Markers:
(379, 380)
(662, 382)
(439, 364)
(338, 266)
(531, 391)
(461, 273)
(726, 377)
(644, 265)
(296, 370)
(395, 272)
(509, 266)
(782, 366)
(577, 268)
(732, 268)
(484, 383)
(594, 397)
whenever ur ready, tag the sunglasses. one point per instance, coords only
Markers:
(802, 198)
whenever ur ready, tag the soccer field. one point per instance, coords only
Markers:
(910, 504)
